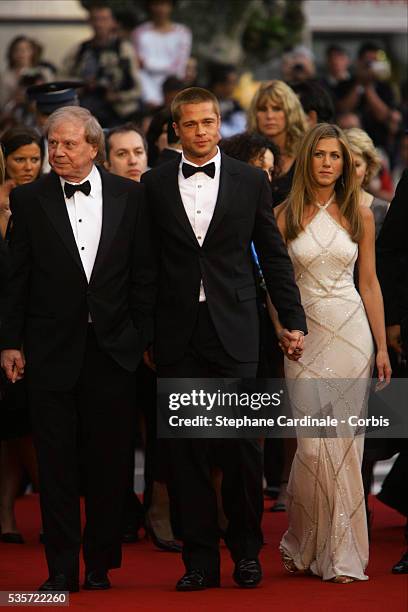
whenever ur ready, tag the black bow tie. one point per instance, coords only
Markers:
(188, 170)
(70, 189)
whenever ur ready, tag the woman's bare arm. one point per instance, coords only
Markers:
(370, 292)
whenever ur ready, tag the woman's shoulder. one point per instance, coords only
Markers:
(366, 213)
(368, 219)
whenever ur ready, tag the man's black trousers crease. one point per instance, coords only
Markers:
(192, 460)
(95, 419)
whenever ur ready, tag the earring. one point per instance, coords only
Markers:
(342, 182)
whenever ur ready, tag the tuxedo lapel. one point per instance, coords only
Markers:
(113, 207)
(229, 179)
(171, 192)
(55, 208)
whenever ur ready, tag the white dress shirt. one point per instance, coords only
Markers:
(85, 215)
(199, 195)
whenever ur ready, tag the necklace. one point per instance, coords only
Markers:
(326, 204)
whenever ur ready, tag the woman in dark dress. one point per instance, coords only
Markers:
(23, 157)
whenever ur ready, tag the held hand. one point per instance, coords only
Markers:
(384, 370)
(13, 363)
(148, 359)
(292, 343)
(394, 338)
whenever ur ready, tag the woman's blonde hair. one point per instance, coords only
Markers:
(361, 144)
(303, 191)
(282, 95)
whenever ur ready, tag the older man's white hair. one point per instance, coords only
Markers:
(76, 114)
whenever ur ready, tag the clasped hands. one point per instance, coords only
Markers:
(291, 343)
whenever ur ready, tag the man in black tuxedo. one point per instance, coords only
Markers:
(392, 268)
(207, 208)
(78, 319)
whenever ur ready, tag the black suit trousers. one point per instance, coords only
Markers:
(94, 420)
(191, 463)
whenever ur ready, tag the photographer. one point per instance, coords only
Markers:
(336, 71)
(370, 94)
(298, 65)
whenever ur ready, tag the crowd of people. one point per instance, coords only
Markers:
(131, 75)
(163, 277)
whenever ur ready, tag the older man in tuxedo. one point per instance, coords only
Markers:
(207, 209)
(79, 316)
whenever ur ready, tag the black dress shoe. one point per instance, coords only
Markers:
(247, 573)
(402, 566)
(60, 583)
(12, 538)
(97, 581)
(197, 580)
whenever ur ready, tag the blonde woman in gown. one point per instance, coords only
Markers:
(326, 232)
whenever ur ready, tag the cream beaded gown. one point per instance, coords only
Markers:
(327, 532)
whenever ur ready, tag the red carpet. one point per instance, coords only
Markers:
(146, 580)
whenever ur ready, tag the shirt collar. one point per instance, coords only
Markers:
(93, 177)
(216, 159)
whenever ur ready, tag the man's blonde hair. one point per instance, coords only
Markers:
(192, 95)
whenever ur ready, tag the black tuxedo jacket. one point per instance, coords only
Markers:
(48, 295)
(243, 213)
(392, 255)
